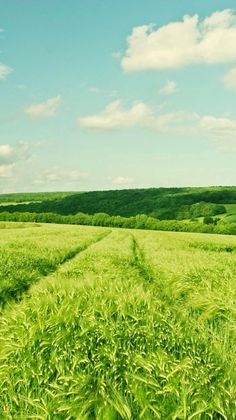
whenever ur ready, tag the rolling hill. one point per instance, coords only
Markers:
(160, 203)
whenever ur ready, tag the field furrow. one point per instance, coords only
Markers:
(27, 255)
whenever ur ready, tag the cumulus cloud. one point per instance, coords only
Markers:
(10, 156)
(6, 150)
(13, 153)
(168, 88)
(58, 175)
(116, 116)
(45, 109)
(178, 44)
(4, 71)
(230, 79)
(221, 129)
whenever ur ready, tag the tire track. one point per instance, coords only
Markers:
(16, 292)
(140, 262)
(74, 252)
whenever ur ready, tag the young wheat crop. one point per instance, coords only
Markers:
(137, 325)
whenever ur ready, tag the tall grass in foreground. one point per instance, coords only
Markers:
(28, 254)
(133, 327)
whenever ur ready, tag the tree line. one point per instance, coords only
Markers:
(159, 203)
(140, 221)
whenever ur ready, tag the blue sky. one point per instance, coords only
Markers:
(97, 94)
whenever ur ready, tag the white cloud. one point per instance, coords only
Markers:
(182, 43)
(6, 170)
(94, 89)
(219, 126)
(45, 109)
(21, 87)
(230, 79)
(10, 154)
(6, 150)
(115, 116)
(59, 176)
(121, 180)
(220, 129)
(168, 88)
(179, 121)
(4, 71)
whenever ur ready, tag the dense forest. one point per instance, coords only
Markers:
(159, 203)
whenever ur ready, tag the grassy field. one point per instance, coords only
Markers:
(101, 323)
(230, 216)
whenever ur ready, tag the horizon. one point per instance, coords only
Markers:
(98, 96)
(186, 187)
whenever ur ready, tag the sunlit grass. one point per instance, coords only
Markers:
(28, 254)
(138, 325)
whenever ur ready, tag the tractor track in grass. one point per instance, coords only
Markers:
(16, 292)
(150, 279)
(74, 252)
(139, 260)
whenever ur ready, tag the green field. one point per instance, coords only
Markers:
(100, 323)
(230, 216)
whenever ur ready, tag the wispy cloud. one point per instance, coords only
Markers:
(182, 43)
(21, 86)
(174, 122)
(56, 176)
(4, 71)
(168, 88)
(221, 129)
(122, 180)
(115, 116)
(11, 156)
(13, 153)
(94, 89)
(6, 170)
(45, 109)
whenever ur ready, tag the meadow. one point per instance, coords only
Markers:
(104, 323)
